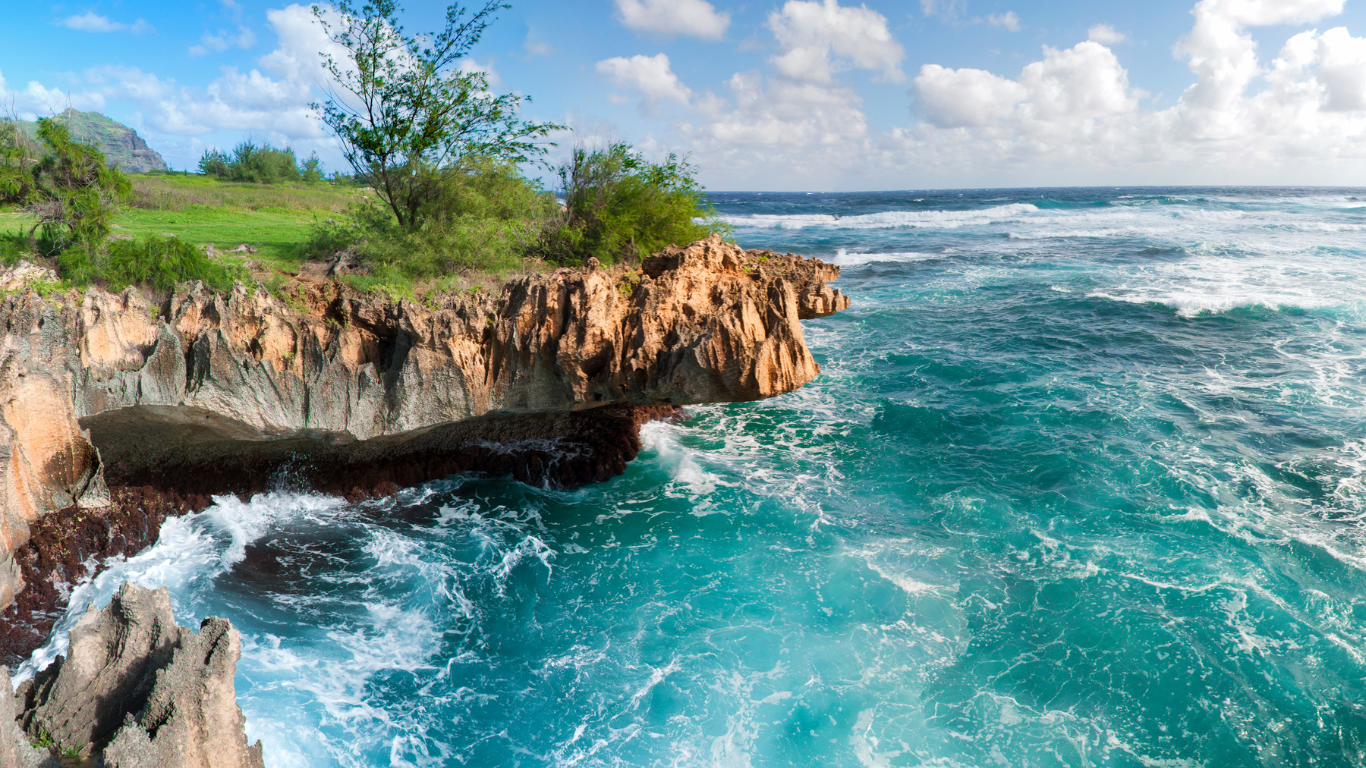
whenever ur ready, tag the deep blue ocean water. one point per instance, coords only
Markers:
(1082, 483)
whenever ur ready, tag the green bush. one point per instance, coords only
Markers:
(74, 193)
(156, 262)
(619, 206)
(260, 165)
(18, 155)
(13, 247)
(484, 217)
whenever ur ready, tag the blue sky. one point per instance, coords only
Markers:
(798, 94)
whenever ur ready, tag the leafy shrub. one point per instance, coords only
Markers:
(259, 164)
(481, 217)
(619, 206)
(13, 247)
(156, 262)
(311, 171)
(18, 155)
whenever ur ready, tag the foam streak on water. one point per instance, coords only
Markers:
(1083, 482)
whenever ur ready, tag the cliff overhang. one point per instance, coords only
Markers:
(117, 410)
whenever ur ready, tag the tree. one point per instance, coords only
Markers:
(405, 108)
(74, 192)
(17, 158)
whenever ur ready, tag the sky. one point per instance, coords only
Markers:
(792, 95)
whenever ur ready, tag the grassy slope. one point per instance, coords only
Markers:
(273, 218)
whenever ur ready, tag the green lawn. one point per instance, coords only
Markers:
(277, 234)
(274, 218)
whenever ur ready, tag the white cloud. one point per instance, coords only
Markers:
(1008, 20)
(651, 76)
(1300, 118)
(92, 22)
(301, 41)
(272, 99)
(961, 98)
(1223, 55)
(787, 115)
(1104, 34)
(1083, 82)
(693, 18)
(818, 38)
(36, 100)
(245, 38)
(944, 10)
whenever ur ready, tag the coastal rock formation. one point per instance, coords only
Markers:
(142, 691)
(15, 749)
(116, 410)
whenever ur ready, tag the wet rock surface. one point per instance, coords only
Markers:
(139, 691)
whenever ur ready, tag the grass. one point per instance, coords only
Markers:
(275, 219)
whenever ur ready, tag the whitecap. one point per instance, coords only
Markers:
(936, 219)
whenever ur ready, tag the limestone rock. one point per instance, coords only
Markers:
(15, 750)
(144, 691)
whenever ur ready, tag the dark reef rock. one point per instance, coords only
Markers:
(75, 542)
(142, 692)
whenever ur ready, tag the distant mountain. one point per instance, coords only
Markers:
(121, 145)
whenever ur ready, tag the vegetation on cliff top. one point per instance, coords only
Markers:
(439, 198)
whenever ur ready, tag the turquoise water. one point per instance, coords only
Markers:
(1082, 483)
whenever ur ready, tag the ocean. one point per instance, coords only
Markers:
(1082, 483)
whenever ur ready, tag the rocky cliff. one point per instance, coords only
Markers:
(116, 411)
(134, 690)
(121, 145)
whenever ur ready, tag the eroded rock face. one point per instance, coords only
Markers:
(15, 750)
(142, 691)
(102, 393)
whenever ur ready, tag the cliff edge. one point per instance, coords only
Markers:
(116, 411)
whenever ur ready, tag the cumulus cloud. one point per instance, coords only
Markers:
(1085, 81)
(962, 98)
(36, 100)
(819, 38)
(93, 22)
(245, 38)
(692, 18)
(650, 76)
(1104, 34)
(1008, 20)
(1298, 118)
(272, 98)
(786, 114)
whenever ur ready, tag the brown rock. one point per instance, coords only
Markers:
(202, 392)
(143, 691)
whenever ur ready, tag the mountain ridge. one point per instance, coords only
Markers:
(121, 145)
